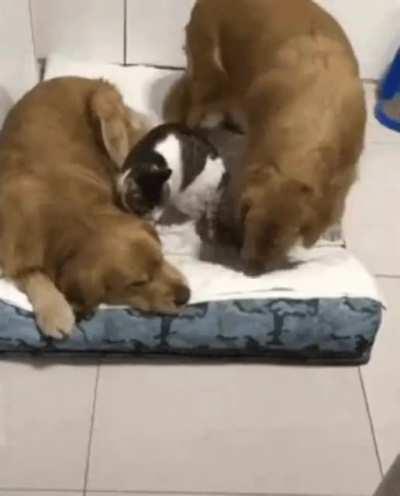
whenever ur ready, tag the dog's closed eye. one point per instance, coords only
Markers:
(137, 284)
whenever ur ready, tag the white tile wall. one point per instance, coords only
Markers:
(43, 493)
(18, 68)
(370, 229)
(81, 29)
(155, 31)
(373, 27)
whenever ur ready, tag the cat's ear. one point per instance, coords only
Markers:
(199, 135)
(160, 173)
(202, 135)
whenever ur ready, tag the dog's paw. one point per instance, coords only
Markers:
(56, 318)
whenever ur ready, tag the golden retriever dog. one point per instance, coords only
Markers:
(286, 72)
(62, 239)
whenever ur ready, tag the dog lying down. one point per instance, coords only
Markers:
(63, 240)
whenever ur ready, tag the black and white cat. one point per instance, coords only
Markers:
(172, 165)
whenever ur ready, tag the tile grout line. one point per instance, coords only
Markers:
(39, 64)
(93, 492)
(125, 32)
(148, 492)
(91, 428)
(10, 490)
(33, 37)
(387, 276)
(371, 423)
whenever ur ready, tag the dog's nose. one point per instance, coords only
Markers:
(182, 295)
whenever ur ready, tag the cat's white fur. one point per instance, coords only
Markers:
(193, 200)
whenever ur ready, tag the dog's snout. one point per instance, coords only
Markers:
(182, 295)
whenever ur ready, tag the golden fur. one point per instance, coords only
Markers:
(286, 71)
(62, 239)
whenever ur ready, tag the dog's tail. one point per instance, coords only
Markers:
(120, 126)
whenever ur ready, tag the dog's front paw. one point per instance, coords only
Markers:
(56, 318)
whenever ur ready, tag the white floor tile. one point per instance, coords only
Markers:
(376, 133)
(382, 378)
(232, 428)
(135, 493)
(45, 413)
(371, 225)
(40, 493)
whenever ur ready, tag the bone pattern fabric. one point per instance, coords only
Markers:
(315, 330)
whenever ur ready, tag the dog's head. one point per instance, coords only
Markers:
(122, 264)
(273, 220)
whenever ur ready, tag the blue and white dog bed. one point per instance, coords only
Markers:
(326, 310)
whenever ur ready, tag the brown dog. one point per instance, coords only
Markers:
(287, 72)
(61, 237)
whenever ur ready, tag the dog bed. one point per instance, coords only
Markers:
(325, 310)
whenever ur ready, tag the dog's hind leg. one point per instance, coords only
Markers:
(207, 76)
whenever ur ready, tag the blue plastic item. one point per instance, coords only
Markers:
(387, 110)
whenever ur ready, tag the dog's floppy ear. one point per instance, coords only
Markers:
(120, 126)
(115, 139)
(108, 110)
(121, 132)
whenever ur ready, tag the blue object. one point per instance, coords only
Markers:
(324, 331)
(389, 92)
